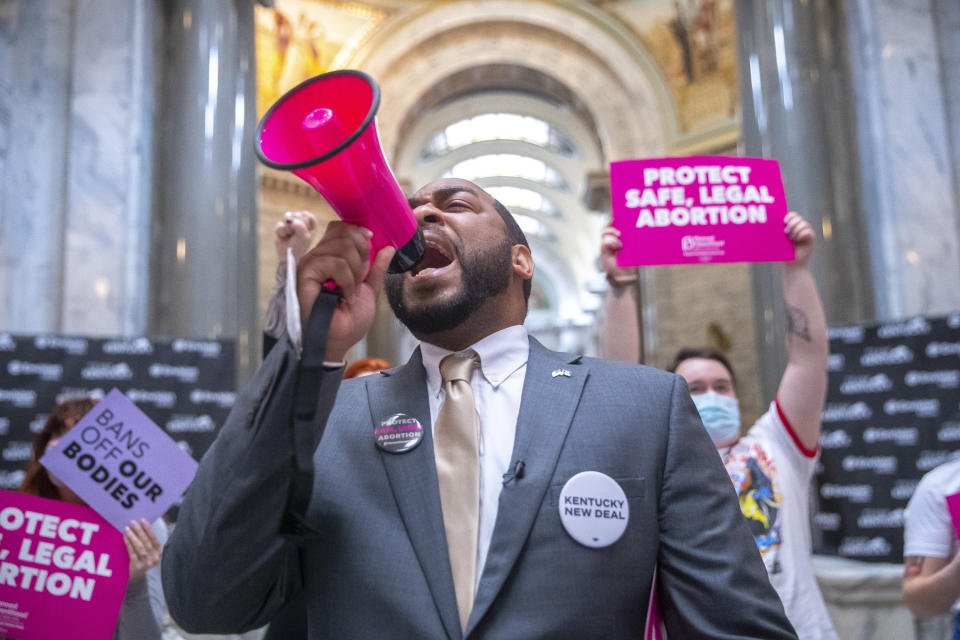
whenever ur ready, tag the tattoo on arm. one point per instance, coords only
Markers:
(912, 566)
(798, 324)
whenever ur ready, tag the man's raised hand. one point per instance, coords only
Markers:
(342, 255)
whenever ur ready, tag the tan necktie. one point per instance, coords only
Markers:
(457, 450)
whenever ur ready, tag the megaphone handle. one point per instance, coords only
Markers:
(332, 288)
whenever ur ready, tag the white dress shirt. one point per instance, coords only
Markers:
(497, 387)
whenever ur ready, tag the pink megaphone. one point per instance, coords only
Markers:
(323, 130)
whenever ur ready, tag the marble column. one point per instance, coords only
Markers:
(906, 88)
(75, 156)
(204, 232)
(797, 110)
(35, 69)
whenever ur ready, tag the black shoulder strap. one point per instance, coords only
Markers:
(309, 373)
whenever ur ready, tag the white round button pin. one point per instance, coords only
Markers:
(594, 509)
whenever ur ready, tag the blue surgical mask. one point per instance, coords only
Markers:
(720, 415)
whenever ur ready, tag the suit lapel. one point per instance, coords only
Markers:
(551, 393)
(413, 479)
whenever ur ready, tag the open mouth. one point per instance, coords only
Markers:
(435, 259)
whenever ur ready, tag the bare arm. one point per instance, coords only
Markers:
(803, 387)
(930, 585)
(620, 327)
(297, 232)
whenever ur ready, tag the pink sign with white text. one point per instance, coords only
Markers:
(699, 209)
(63, 570)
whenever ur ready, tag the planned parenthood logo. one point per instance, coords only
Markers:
(922, 408)
(206, 349)
(844, 412)
(106, 371)
(878, 383)
(912, 327)
(879, 356)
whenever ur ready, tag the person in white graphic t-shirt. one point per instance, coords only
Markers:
(772, 463)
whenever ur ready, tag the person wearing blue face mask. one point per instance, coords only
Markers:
(772, 462)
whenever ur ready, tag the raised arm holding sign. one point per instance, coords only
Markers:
(771, 463)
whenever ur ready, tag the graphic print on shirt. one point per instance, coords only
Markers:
(754, 476)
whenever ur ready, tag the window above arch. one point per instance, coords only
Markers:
(507, 165)
(499, 126)
(521, 198)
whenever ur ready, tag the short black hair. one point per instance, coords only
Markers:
(707, 353)
(516, 236)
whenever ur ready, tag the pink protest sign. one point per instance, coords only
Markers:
(121, 463)
(699, 209)
(953, 506)
(63, 570)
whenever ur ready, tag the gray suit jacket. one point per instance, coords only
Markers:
(376, 565)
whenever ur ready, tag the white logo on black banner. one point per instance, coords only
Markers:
(836, 362)
(953, 320)
(912, 327)
(134, 347)
(883, 465)
(77, 393)
(16, 451)
(43, 370)
(926, 408)
(7, 343)
(838, 439)
(36, 425)
(11, 479)
(106, 371)
(880, 519)
(939, 349)
(161, 399)
(930, 459)
(206, 349)
(22, 398)
(876, 356)
(945, 379)
(859, 493)
(903, 489)
(224, 399)
(183, 374)
(73, 346)
(849, 335)
(902, 436)
(877, 383)
(844, 412)
(827, 521)
(196, 424)
(949, 432)
(864, 547)
(4, 426)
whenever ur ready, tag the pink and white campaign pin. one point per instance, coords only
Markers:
(594, 509)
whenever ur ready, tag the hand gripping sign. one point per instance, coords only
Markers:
(699, 209)
(63, 570)
(120, 463)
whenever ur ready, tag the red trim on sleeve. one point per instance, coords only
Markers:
(793, 434)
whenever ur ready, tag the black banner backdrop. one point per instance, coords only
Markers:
(892, 414)
(185, 386)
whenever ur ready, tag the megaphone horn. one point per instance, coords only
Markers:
(323, 130)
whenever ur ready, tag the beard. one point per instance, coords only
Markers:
(485, 274)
